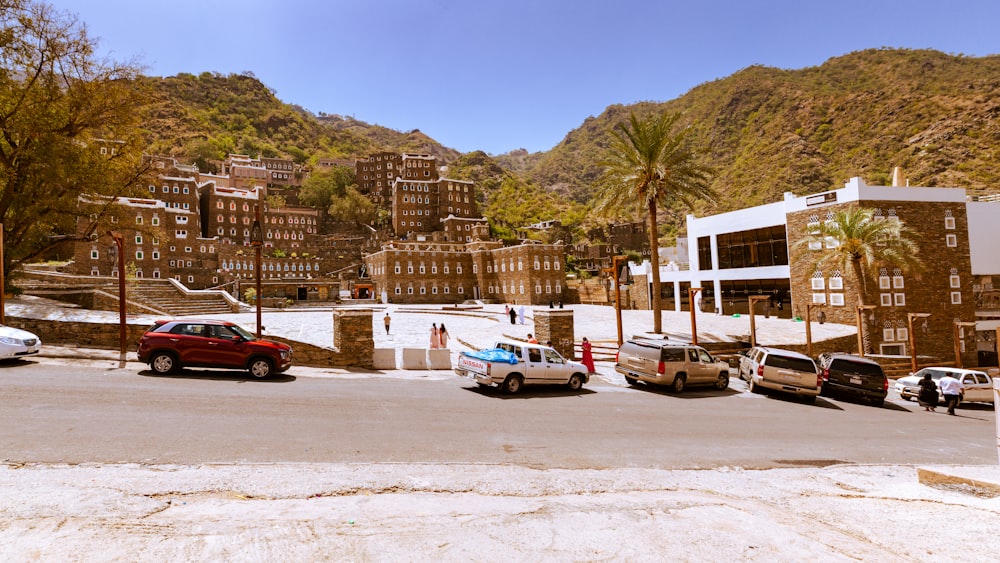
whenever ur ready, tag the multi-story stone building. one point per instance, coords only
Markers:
(433, 269)
(376, 173)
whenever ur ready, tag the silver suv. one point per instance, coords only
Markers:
(673, 364)
(781, 370)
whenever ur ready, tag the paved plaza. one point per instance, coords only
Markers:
(476, 326)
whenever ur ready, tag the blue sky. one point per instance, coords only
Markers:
(501, 75)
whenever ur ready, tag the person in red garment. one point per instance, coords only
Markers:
(588, 356)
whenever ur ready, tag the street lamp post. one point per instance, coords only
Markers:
(257, 241)
(958, 341)
(754, 299)
(861, 327)
(615, 271)
(913, 339)
(692, 291)
(119, 249)
(809, 341)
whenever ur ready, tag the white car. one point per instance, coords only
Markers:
(977, 384)
(15, 343)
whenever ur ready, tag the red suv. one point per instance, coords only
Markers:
(171, 345)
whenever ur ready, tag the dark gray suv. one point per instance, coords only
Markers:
(845, 374)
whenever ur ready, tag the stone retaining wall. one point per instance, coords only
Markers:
(353, 348)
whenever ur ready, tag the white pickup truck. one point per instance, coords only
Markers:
(512, 365)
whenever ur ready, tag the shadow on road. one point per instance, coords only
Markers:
(218, 375)
(687, 393)
(532, 392)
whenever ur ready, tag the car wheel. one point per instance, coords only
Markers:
(631, 380)
(809, 399)
(723, 382)
(878, 402)
(260, 368)
(754, 388)
(678, 385)
(163, 363)
(575, 382)
(512, 384)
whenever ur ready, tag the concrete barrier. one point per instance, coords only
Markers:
(414, 358)
(384, 358)
(439, 359)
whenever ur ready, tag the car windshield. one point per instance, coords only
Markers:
(242, 332)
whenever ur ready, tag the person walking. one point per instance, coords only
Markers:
(952, 389)
(520, 313)
(512, 314)
(588, 356)
(928, 396)
(442, 337)
(387, 319)
(434, 337)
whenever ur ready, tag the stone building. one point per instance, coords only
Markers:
(434, 269)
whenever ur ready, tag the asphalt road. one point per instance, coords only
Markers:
(81, 412)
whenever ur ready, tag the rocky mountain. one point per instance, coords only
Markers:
(768, 130)
(764, 130)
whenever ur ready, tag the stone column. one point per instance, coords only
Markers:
(352, 336)
(556, 325)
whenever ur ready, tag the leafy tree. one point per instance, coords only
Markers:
(862, 246)
(322, 186)
(648, 165)
(68, 126)
(276, 202)
(352, 207)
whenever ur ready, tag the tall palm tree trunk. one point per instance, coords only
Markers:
(654, 260)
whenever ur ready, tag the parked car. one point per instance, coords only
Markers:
(511, 365)
(846, 374)
(170, 345)
(15, 343)
(781, 370)
(978, 385)
(675, 365)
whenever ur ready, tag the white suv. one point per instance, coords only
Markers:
(781, 370)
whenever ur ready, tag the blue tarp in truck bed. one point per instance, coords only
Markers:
(493, 355)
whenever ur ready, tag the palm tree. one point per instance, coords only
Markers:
(854, 241)
(648, 165)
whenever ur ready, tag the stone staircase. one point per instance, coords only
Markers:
(164, 296)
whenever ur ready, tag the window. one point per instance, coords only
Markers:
(138, 239)
(138, 219)
(897, 281)
(818, 283)
(836, 282)
(899, 299)
(902, 334)
(949, 222)
(888, 334)
(954, 281)
(837, 299)
(951, 241)
(819, 298)
(956, 297)
(815, 245)
(155, 220)
(138, 255)
(883, 282)
(886, 299)
(95, 254)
